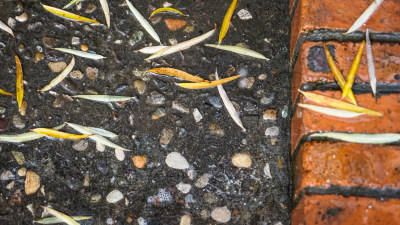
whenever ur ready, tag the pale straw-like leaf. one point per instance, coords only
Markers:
(102, 132)
(331, 111)
(63, 217)
(151, 49)
(238, 50)
(145, 24)
(29, 136)
(54, 220)
(228, 104)
(183, 45)
(60, 77)
(371, 65)
(71, 3)
(386, 138)
(4, 27)
(106, 10)
(364, 16)
(104, 98)
(80, 53)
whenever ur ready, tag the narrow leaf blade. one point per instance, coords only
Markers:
(177, 73)
(102, 132)
(63, 217)
(151, 49)
(71, 3)
(364, 16)
(106, 10)
(330, 111)
(371, 65)
(54, 220)
(226, 21)
(60, 77)
(80, 53)
(353, 70)
(4, 27)
(59, 134)
(386, 138)
(202, 85)
(3, 92)
(104, 98)
(238, 50)
(67, 15)
(29, 136)
(166, 9)
(19, 83)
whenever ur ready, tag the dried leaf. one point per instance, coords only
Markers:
(166, 9)
(145, 24)
(338, 75)
(353, 70)
(151, 49)
(67, 15)
(331, 111)
(334, 103)
(60, 77)
(239, 50)
(106, 10)
(102, 132)
(202, 85)
(371, 65)
(104, 98)
(3, 92)
(226, 21)
(80, 53)
(59, 134)
(183, 45)
(19, 83)
(71, 3)
(54, 220)
(177, 73)
(96, 138)
(365, 16)
(30, 136)
(4, 27)
(386, 138)
(64, 218)
(228, 104)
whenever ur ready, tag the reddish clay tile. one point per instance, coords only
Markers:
(339, 210)
(340, 15)
(175, 24)
(306, 121)
(322, 164)
(311, 65)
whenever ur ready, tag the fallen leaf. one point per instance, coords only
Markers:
(239, 50)
(331, 111)
(4, 27)
(80, 53)
(177, 73)
(20, 138)
(64, 218)
(59, 134)
(102, 132)
(106, 10)
(227, 20)
(60, 77)
(54, 220)
(353, 70)
(371, 65)
(67, 15)
(202, 85)
(71, 3)
(364, 16)
(151, 49)
(166, 9)
(19, 83)
(3, 92)
(104, 98)
(386, 138)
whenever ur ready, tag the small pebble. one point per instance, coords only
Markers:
(19, 157)
(140, 86)
(139, 161)
(100, 147)
(176, 161)
(57, 67)
(49, 42)
(142, 221)
(179, 107)
(84, 48)
(114, 196)
(10, 186)
(221, 214)
(186, 220)
(94, 198)
(210, 198)
(80, 145)
(21, 172)
(184, 188)
(86, 180)
(159, 113)
(90, 8)
(75, 41)
(272, 131)
(262, 76)
(197, 115)
(76, 74)
(268, 100)
(215, 129)
(22, 18)
(102, 166)
(18, 122)
(58, 102)
(202, 181)
(188, 29)
(269, 114)
(246, 83)
(155, 98)
(11, 22)
(175, 24)
(267, 171)
(204, 214)
(2, 110)
(39, 56)
(92, 72)
(6, 175)
(166, 136)
(285, 111)
(241, 160)
(244, 14)
(215, 102)
(32, 182)
(119, 154)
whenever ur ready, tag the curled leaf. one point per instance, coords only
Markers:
(371, 65)
(226, 21)
(202, 85)
(177, 73)
(67, 15)
(104, 98)
(228, 104)
(166, 9)
(145, 24)
(331, 102)
(183, 45)
(353, 70)
(3, 92)
(19, 83)
(20, 138)
(364, 16)
(151, 49)
(60, 77)
(106, 10)
(4, 27)
(331, 111)
(71, 3)
(337, 74)
(64, 218)
(239, 50)
(80, 53)
(386, 138)
(54, 220)
(59, 134)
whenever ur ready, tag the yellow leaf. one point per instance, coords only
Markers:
(177, 73)
(67, 15)
(227, 21)
(19, 83)
(3, 92)
(338, 75)
(202, 85)
(353, 70)
(59, 134)
(166, 9)
(337, 104)
(65, 218)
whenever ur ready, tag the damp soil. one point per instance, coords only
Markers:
(250, 195)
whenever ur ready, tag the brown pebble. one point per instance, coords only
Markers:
(92, 72)
(269, 114)
(175, 24)
(241, 160)
(32, 182)
(57, 67)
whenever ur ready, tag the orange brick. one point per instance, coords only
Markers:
(311, 65)
(306, 121)
(322, 164)
(338, 210)
(339, 15)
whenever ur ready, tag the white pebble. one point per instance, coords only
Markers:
(22, 18)
(221, 214)
(100, 147)
(202, 181)
(197, 115)
(119, 154)
(244, 14)
(114, 196)
(241, 160)
(186, 220)
(267, 171)
(272, 131)
(184, 188)
(6, 175)
(142, 221)
(11, 22)
(176, 161)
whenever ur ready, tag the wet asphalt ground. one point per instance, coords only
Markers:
(77, 176)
